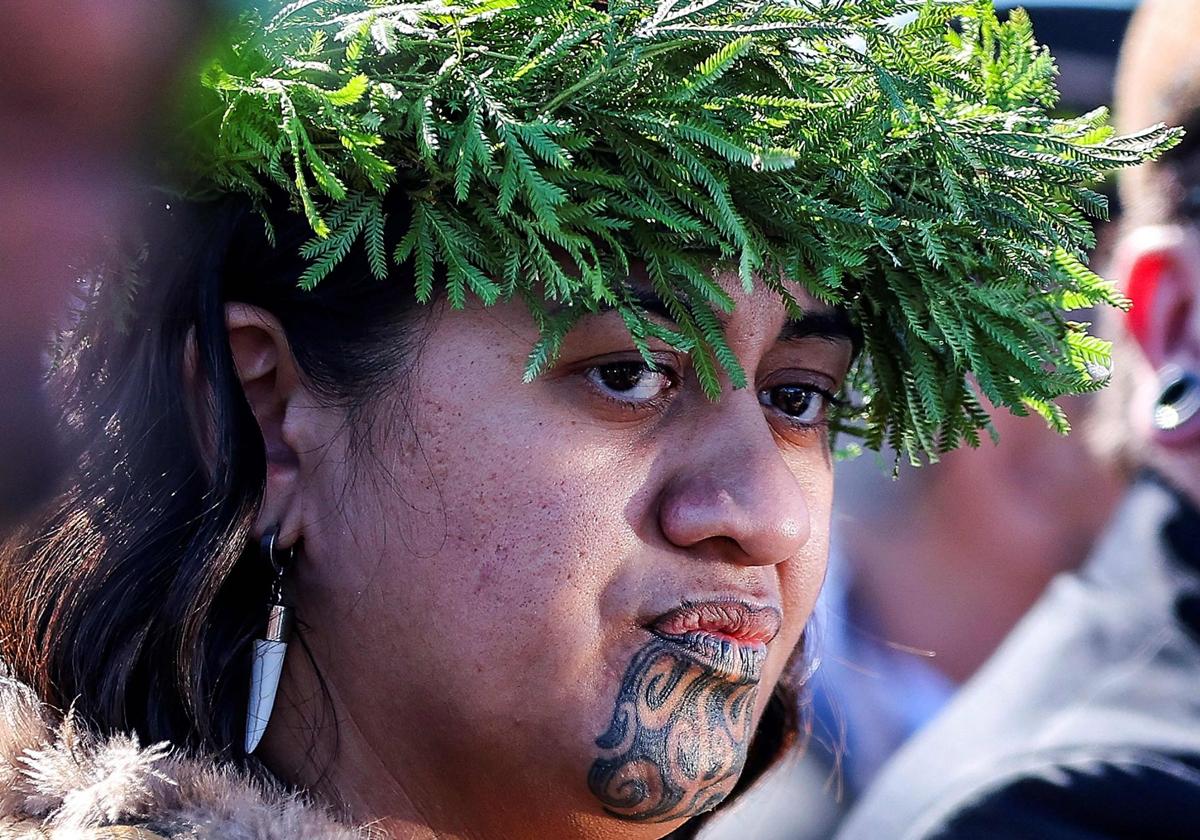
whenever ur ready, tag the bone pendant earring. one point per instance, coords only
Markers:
(270, 650)
(1177, 409)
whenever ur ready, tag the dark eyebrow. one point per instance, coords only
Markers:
(828, 324)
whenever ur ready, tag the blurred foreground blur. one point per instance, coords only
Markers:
(82, 85)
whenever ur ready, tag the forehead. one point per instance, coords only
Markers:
(760, 315)
(756, 304)
(1159, 76)
(1159, 81)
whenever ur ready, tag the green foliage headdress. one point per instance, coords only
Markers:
(897, 164)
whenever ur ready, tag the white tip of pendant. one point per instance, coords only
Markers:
(264, 682)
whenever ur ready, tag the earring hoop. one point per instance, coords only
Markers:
(268, 546)
(1177, 409)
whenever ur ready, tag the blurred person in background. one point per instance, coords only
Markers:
(1086, 723)
(81, 85)
(907, 621)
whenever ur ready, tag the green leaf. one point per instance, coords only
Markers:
(711, 70)
(351, 92)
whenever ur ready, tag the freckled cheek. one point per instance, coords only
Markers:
(524, 564)
(800, 584)
(802, 577)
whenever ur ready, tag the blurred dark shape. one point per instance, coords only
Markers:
(83, 86)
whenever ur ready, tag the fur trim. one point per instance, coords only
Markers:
(61, 782)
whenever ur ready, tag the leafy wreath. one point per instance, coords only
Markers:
(899, 158)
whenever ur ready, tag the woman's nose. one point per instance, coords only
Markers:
(736, 493)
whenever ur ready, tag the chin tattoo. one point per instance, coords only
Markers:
(679, 734)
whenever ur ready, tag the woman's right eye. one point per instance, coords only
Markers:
(629, 382)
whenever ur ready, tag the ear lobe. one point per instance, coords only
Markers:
(1161, 267)
(269, 378)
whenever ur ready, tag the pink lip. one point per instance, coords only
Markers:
(735, 621)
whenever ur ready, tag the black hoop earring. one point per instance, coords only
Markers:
(271, 649)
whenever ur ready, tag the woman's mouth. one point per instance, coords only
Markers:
(727, 637)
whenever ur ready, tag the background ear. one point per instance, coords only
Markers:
(1160, 268)
(271, 381)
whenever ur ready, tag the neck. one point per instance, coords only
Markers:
(339, 766)
(408, 785)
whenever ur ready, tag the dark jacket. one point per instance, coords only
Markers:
(1086, 723)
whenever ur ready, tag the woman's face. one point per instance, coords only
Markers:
(557, 609)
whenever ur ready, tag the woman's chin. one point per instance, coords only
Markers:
(677, 739)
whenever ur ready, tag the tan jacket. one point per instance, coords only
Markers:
(61, 782)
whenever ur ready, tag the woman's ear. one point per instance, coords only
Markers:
(1160, 268)
(276, 393)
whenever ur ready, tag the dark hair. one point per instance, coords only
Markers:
(136, 594)
(135, 597)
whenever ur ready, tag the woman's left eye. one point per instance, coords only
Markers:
(804, 405)
(629, 382)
